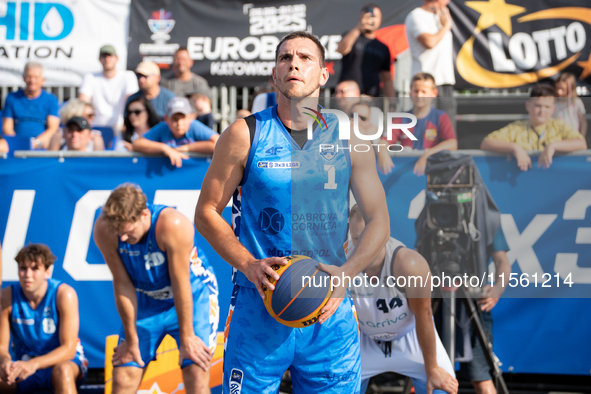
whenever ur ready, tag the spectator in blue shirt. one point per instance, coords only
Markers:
(31, 112)
(148, 78)
(179, 133)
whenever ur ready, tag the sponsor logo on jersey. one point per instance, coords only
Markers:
(133, 253)
(271, 221)
(328, 151)
(236, 381)
(162, 294)
(27, 322)
(430, 134)
(278, 164)
(47, 311)
(274, 150)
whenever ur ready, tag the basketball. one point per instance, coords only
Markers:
(297, 300)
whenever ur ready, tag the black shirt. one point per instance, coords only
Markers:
(364, 63)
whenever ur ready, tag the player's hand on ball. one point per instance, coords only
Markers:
(338, 292)
(126, 353)
(20, 370)
(438, 378)
(257, 270)
(194, 349)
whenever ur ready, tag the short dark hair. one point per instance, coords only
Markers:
(181, 49)
(302, 34)
(542, 90)
(36, 253)
(370, 5)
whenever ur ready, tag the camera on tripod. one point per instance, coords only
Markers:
(449, 217)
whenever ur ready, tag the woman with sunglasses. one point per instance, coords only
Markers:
(140, 117)
(76, 107)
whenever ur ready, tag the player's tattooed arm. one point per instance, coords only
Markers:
(125, 294)
(222, 179)
(409, 263)
(5, 358)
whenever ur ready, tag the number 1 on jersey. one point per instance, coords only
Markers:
(331, 184)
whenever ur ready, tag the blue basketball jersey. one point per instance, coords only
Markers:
(147, 265)
(293, 200)
(34, 332)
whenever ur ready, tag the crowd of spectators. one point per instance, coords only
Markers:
(137, 105)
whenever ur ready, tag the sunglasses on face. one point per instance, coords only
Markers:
(136, 112)
(140, 76)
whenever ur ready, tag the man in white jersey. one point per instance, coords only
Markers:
(396, 323)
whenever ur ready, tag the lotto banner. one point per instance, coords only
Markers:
(234, 42)
(544, 218)
(63, 35)
(512, 43)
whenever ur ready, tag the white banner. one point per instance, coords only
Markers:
(63, 35)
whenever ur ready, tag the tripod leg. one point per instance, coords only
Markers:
(407, 385)
(471, 307)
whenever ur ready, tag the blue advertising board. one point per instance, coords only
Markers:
(537, 330)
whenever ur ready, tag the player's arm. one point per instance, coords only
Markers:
(221, 180)
(69, 322)
(370, 197)
(125, 294)
(145, 145)
(411, 264)
(200, 146)
(174, 234)
(5, 358)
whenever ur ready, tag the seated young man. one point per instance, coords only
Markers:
(77, 136)
(40, 316)
(408, 344)
(177, 134)
(539, 132)
(434, 131)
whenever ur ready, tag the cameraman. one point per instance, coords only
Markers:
(478, 370)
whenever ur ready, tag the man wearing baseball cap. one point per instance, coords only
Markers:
(178, 133)
(78, 136)
(148, 78)
(108, 90)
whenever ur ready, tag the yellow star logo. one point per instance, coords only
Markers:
(586, 66)
(495, 12)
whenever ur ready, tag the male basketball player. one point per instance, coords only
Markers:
(40, 317)
(291, 196)
(396, 322)
(163, 285)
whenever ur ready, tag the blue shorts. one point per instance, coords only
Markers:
(258, 350)
(154, 324)
(41, 380)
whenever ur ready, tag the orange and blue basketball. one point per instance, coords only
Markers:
(297, 300)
